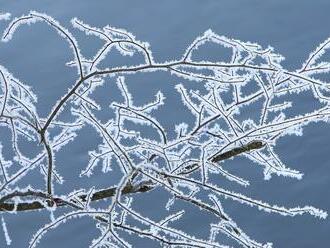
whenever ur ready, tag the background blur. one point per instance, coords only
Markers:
(37, 55)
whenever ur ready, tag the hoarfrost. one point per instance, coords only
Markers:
(238, 106)
(5, 230)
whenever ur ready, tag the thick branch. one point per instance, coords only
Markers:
(34, 205)
(107, 193)
(237, 151)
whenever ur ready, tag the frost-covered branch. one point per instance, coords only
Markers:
(239, 105)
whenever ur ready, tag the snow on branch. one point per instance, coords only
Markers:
(238, 106)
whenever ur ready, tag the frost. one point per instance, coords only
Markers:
(239, 106)
(5, 230)
(5, 16)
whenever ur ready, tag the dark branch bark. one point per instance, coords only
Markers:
(236, 151)
(35, 205)
(107, 193)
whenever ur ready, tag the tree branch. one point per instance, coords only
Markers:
(35, 205)
(107, 193)
(237, 151)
